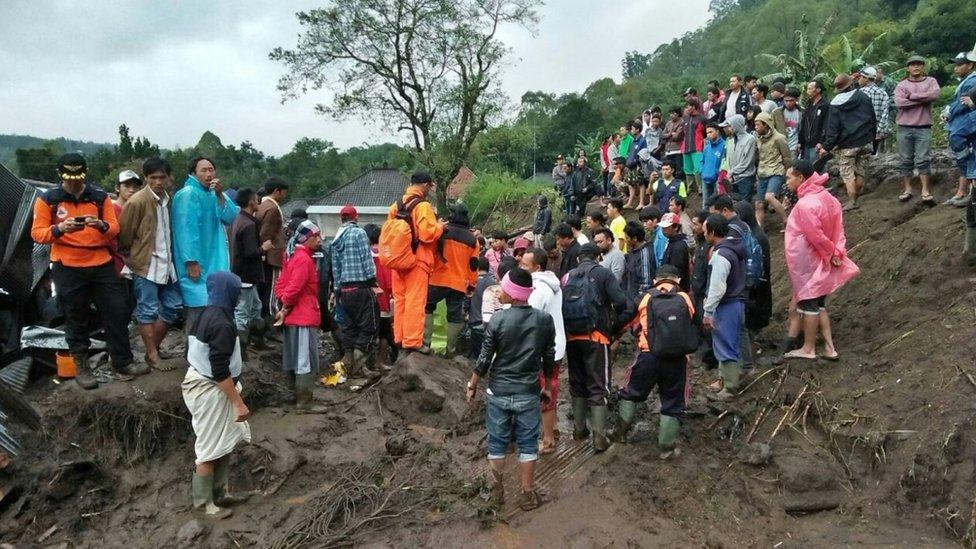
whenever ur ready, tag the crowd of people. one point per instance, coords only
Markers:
(678, 287)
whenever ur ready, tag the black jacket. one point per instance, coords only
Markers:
(699, 277)
(676, 254)
(851, 122)
(759, 305)
(639, 269)
(543, 221)
(246, 255)
(519, 344)
(813, 124)
(616, 308)
(742, 104)
(570, 259)
(581, 182)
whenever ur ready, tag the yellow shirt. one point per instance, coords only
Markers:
(617, 228)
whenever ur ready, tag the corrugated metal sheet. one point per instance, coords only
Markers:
(16, 248)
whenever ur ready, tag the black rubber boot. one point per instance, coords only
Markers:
(84, 376)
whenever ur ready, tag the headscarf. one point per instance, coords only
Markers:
(305, 230)
(515, 290)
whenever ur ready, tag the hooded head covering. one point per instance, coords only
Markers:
(305, 230)
(223, 289)
(767, 119)
(738, 123)
(459, 215)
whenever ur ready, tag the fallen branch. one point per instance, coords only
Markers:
(770, 402)
(789, 412)
(896, 340)
(969, 377)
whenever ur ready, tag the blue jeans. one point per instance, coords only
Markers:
(156, 301)
(772, 184)
(709, 188)
(248, 308)
(745, 188)
(518, 413)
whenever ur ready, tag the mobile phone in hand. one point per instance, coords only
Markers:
(80, 219)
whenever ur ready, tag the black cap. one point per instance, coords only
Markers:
(667, 271)
(420, 178)
(589, 249)
(72, 166)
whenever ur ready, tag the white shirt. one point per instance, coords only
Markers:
(732, 99)
(582, 238)
(161, 269)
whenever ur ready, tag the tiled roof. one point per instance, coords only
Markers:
(378, 187)
(288, 207)
(460, 183)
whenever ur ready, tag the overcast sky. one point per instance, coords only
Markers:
(172, 69)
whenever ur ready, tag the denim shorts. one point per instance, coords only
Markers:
(156, 301)
(772, 184)
(518, 414)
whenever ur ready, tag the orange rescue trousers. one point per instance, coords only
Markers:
(409, 306)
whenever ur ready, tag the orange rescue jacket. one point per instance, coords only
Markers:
(89, 247)
(425, 226)
(456, 262)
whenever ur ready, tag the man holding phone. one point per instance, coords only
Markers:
(78, 221)
(200, 214)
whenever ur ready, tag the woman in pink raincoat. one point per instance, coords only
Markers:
(816, 258)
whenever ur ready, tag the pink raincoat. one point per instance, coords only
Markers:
(814, 235)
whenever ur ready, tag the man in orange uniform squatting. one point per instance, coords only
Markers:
(78, 221)
(410, 285)
(455, 272)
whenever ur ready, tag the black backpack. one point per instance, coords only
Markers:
(671, 333)
(580, 302)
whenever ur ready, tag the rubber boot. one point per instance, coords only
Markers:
(202, 490)
(428, 333)
(84, 376)
(290, 382)
(667, 435)
(496, 468)
(132, 368)
(221, 481)
(970, 248)
(364, 362)
(625, 416)
(349, 361)
(257, 329)
(453, 332)
(731, 374)
(243, 336)
(304, 401)
(598, 422)
(580, 410)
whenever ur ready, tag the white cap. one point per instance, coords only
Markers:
(128, 175)
(869, 72)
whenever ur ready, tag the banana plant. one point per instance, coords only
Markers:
(807, 63)
(849, 61)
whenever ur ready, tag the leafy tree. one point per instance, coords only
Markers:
(126, 151)
(38, 163)
(635, 64)
(432, 66)
(941, 28)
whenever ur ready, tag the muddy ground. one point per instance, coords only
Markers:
(876, 449)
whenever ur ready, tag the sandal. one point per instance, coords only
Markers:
(906, 196)
(796, 354)
(546, 449)
(716, 385)
(833, 358)
(928, 200)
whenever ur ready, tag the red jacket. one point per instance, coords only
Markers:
(384, 279)
(298, 289)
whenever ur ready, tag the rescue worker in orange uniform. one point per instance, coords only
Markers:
(78, 221)
(650, 369)
(455, 273)
(410, 286)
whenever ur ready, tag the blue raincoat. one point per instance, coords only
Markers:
(199, 235)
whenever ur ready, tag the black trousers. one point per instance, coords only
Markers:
(589, 370)
(362, 318)
(455, 302)
(265, 288)
(668, 375)
(78, 289)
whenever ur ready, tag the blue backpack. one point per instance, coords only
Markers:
(755, 261)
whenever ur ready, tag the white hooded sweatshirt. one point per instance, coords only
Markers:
(547, 296)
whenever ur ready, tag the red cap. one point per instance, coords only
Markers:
(349, 211)
(669, 219)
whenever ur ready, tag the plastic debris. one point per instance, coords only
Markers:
(337, 377)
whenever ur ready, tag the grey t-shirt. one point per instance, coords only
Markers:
(615, 261)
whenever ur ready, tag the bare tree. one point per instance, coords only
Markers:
(430, 67)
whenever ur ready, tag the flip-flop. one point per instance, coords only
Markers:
(546, 450)
(834, 358)
(928, 200)
(905, 197)
(793, 354)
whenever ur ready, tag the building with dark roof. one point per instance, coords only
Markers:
(371, 193)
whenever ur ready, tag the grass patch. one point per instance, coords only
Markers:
(502, 200)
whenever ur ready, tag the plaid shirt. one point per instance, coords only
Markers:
(352, 260)
(880, 100)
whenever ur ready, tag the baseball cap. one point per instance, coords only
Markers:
(669, 219)
(965, 57)
(690, 91)
(724, 124)
(72, 166)
(521, 242)
(915, 59)
(129, 175)
(349, 211)
(869, 72)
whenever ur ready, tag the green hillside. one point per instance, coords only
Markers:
(10, 143)
(743, 36)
